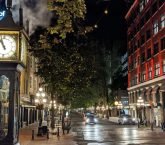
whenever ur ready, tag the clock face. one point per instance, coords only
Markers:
(7, 46)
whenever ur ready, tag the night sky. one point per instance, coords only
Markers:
(111, 25)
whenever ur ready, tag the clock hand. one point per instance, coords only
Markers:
(3, 45)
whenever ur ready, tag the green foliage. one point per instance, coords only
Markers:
(67, 12)
(67, 68)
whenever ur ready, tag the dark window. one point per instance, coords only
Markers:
(154, 7)
(161, 2)
(142, 40)
(138, 44)
(139, 77)
(147, 16)
(156, 48)
(163, 43)
(142, 22)
(143, 57)
(138, 60)
(138, 27)
(135, 45)
(149, 53)
(148, 34)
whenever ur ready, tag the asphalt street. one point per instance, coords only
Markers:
(108, 133)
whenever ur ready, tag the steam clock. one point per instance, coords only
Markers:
(12, 62)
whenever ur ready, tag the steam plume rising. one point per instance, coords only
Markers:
(33, 10)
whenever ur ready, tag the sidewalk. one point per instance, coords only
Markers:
(25, 137)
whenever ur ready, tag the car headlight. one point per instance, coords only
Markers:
(87, 120)
(125, 119)
(134, 119)
(95, 120)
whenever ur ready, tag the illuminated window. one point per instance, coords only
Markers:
(155, 27)
(163, 66)
(141, 5)
(150, 73)
(136, 79)
(143, 76)
(146, 1)
(162, 21)
(135, 63)
(157, 69)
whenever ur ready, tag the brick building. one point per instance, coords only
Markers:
(146, 59)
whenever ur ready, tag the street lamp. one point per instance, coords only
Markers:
(120, 105)
(53, 106)
(40, 100)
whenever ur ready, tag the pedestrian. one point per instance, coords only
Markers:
(163, 126)
(48, 120)
(44, 126)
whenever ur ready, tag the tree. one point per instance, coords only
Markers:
(66, 12)
(66, 68)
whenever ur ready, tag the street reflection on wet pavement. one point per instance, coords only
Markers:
(108, 133)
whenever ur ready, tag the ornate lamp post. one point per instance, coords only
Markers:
(40, 100)
(53, 106)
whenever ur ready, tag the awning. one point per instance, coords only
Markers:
(28, 106)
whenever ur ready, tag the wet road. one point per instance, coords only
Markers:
(108, 133)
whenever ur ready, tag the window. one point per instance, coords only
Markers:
(162, 21)
(148, 34)
(143, 76)
(136, 79)
(146, 1)
(150, 73)
(149, 53)
(138, 59)
(163, 43)
(142, 39)
(143, 57)
(141, 6)
(154, 8)
(155, 27)
(139, 77)
(135, 62)
(147, 16)
(161, 2)
(142, 22)
(163, 66)
(138, 43)
(157, 69)
(156, 48)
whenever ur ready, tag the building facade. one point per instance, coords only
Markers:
(146, 59)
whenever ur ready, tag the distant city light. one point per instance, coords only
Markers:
(96, 26)
(106, 11)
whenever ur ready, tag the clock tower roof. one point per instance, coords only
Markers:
(7, 23)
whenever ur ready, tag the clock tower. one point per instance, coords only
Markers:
(13, 46)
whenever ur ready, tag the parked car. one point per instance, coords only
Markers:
(90, 118)
(126, 119)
